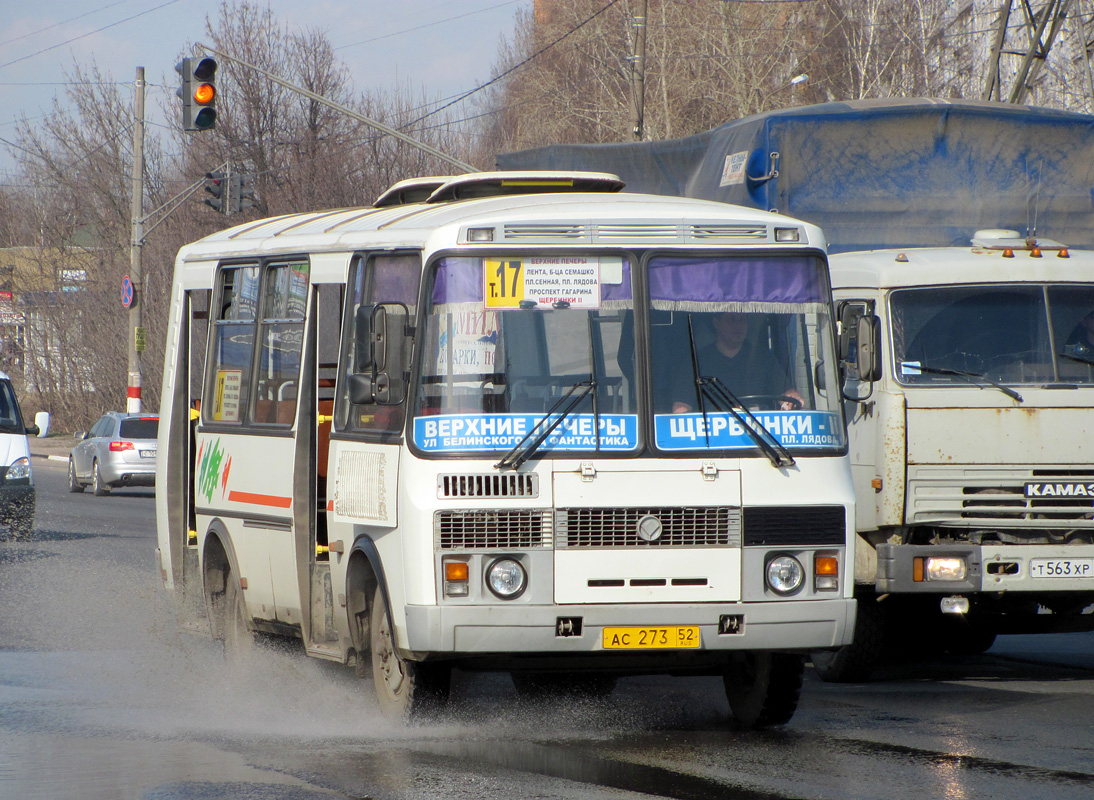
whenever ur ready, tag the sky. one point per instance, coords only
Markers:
(445, 47)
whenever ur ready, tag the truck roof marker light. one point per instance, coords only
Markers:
(1063, 253)
(902, 258)
(1035, 252)
(1008, 252)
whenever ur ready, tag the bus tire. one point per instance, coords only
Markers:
(558, 685)
(405, 690)
(763, 688)
(855, 662)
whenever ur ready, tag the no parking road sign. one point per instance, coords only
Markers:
(129, 293)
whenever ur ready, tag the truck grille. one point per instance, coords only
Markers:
(969, 497)
(492, 529)
(618, 527)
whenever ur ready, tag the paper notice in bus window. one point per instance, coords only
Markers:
(543, 282)
(734, 170)
(226, 405)
(468, 340)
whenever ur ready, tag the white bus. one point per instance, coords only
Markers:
(486, 424)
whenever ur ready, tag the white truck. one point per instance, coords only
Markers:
(972, 442)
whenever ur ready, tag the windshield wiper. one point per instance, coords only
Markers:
(973, 378)
(708, 388)
(532, 441)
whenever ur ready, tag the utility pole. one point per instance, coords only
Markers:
(1051, 16)
(131, 287)
(638, 73)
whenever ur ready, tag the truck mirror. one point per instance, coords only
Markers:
(41, 422)
(868, 349)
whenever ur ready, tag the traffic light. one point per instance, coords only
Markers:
(216, 184)
(242, 192)
(198, 93)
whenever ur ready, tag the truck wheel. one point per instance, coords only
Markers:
(405, 690)
(97, 484)
(74, 485)
(556, 685)
(855, 662)
(763, 688)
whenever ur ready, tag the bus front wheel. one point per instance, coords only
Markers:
(406, 690)
(763, 688)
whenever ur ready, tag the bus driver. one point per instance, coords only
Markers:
(745, 368)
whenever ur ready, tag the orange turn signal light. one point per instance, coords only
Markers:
(455, 571)
(917, 569)
(826, 565)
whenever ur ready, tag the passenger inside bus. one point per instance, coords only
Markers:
(744, 365)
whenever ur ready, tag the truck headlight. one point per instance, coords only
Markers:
(784, 574)
(506, 578)
(946, 568)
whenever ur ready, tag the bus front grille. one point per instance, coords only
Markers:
(492, 529)
(510, 484)
(635, 527)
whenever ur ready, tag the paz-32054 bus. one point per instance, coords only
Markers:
(512, 422)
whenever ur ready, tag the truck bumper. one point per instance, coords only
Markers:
(989, 568)
(548, 630)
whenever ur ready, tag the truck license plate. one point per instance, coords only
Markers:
(1061, 567)
(665, 637)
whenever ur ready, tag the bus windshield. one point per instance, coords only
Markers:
(1005, 334)
(520, 349)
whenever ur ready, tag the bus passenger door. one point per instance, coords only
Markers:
(313, 449)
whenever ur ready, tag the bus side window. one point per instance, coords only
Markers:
(376, 279)
(227, 387)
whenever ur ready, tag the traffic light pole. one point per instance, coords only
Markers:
(136, 334)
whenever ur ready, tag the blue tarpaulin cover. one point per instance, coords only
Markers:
(874, 173)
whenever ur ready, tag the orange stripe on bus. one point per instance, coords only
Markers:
(260, 499)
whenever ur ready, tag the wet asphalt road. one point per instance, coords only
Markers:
(101, 698)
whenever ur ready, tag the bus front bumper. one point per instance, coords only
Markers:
(785, 625)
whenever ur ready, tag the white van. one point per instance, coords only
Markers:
(16, 480)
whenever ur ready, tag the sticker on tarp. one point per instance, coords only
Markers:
(546, 281)
(492, 432)
(720, 430)
(733, 172)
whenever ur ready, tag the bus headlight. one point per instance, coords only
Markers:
(506, 578)
(784, 574)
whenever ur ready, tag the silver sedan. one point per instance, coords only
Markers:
(119, 450)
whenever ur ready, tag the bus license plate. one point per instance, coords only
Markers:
(668, 637)
(1061, 567)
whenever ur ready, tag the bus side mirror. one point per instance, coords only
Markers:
(382, 341)
(41, 422)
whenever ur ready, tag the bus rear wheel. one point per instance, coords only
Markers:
(763, 688)
(405, 690)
